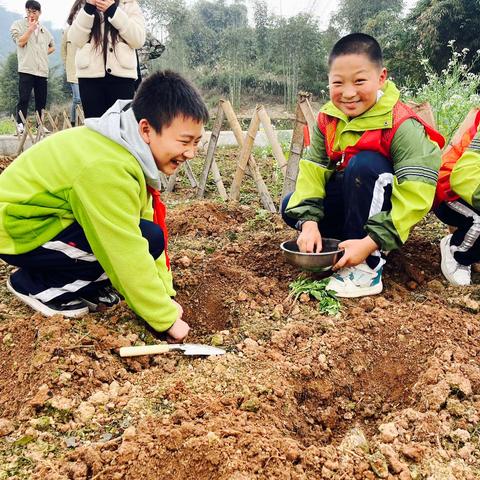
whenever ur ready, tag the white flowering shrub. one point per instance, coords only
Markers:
(451, 93)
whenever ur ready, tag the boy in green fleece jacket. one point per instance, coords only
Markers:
(76, 208)
(370, 173)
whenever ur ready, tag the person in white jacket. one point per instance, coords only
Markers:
(106, 34)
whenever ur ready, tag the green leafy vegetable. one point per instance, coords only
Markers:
(327, 301)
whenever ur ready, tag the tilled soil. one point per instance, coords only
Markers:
(389, 388)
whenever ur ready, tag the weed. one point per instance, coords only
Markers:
(327, 301)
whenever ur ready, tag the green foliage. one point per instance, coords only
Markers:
(354, 15)
(439, 21)
(327, 301)
(9, 84)
(451, 93)
(7, 127)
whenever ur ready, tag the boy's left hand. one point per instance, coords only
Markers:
(356, 251)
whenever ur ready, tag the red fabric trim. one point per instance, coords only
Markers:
(375, 140)
(159, 216)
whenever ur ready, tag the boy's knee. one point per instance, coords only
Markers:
(368, 163)
(154, 235)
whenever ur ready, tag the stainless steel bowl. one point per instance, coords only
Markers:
(313, 262)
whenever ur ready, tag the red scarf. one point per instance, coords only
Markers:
(159, 214)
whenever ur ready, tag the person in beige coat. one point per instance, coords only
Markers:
(68, 51)
(34, 44)
(106, 34)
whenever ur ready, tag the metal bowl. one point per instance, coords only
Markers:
(313, 262)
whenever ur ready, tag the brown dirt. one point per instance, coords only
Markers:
(389, 388)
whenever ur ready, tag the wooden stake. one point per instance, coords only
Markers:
(171, 182)
(272, 138)
(296, 147)
(244, 155)
(66, 121)
(163, 180)
(80, 116)
(26, 126)
(53, 124)
(265, 196)
(190, 174)
(209, 158)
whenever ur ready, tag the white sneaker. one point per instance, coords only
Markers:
(358, 281)
(20, 128)
(454, 272)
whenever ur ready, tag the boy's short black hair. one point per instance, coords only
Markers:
(164, 95)
(357, 43)
(33, 5)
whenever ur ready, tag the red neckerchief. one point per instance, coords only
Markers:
(159, 214)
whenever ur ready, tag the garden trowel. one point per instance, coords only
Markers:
(186, 348)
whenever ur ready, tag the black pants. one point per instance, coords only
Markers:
(99, 94)
(25, 84)
(360, 191)
(65, 267)
(466, 237)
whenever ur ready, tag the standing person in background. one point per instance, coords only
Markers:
(106, 32)
(68, 56)
(151, 50)
(34, 44)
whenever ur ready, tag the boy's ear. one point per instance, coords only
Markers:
(144, 128)
(383, 76)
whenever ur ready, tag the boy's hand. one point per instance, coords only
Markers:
(356, 251)
(179, 330)
(310, 240)
(92, 2)
(32, 24)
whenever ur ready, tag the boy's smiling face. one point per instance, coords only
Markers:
(354, 81)
(174, 144)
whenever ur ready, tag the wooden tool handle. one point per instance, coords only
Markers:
(143, 350)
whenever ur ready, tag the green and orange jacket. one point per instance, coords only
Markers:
(81, 175)
(415, 160)
(460, 171)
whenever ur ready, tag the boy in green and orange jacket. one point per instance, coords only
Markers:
(370, 173)
(458, 204)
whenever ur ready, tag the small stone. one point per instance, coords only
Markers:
(129, 434)
(41, 396)
(355, 438)
(367, 304)
(99, 398)
(242, 297)
(184, 261)
(388, 432)
(64, 378)
(6, 427)
(460, 435)
(212, 437)
(114, 389)
(250, 405)
(217, 340)
(84, 412)
(61, 403)
(436, 285)
(459, 383)
(378, 464)
(412, 285)
(413, 452)
(304, 298)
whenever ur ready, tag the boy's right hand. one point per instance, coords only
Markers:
(310, 239)
(179, 330)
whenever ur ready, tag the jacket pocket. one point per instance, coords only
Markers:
(126, 56)
(83, 56)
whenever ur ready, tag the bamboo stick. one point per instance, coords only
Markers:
(80, 116)
(26, 126)
(171, 182)
(217, 178)
(307, 110)
(66, 121)
(244, 155)
(209, 158)
(272, 138)
(163, 180)
(296, 149)
(265, 196)
(190, 175)
(53, 124)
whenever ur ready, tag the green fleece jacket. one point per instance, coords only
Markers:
(465, 176)
(415, 158)
(80, 175)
